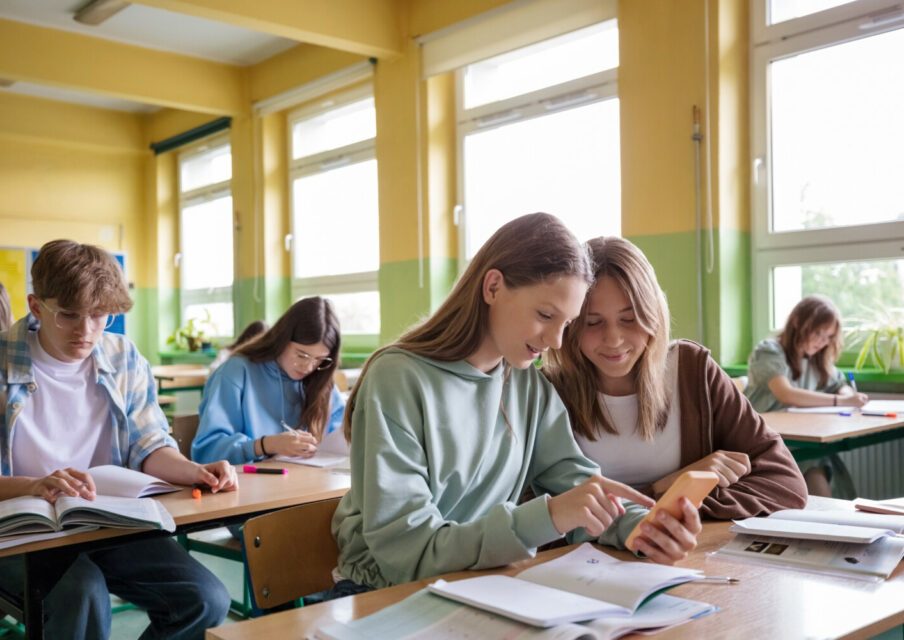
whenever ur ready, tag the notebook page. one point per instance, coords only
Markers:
(590, 572)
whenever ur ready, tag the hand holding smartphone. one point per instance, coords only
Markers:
(693, 485)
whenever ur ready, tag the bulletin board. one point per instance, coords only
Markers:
(15, 274)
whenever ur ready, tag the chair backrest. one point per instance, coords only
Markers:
(184, 429)
(290, 553)
(340, 380)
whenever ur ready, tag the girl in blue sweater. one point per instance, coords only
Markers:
(275, 395)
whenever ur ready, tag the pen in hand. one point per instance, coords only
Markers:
(853, 384)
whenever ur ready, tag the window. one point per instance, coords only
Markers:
(827, 134)
(335, 214)
(205, 236)
(539, 131)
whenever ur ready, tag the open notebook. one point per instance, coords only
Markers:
(332, 451)
(582, 585)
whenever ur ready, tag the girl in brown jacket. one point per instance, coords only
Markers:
(646, 409)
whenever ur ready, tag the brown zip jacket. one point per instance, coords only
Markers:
(714, 416)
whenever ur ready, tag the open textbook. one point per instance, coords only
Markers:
(32, 514)
(582, 585)
(424, 616)
(113, 480)
(825, 541)
(829, 525)
(332, 451)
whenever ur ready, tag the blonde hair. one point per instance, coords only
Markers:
(806, 318)
(576, 378)
(528, 250)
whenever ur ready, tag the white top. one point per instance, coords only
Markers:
(626, 457)
(67, 423)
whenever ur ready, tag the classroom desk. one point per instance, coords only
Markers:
(767, 603)
(816, 435)
(180, 377)
(257, 493)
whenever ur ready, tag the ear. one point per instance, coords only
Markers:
(34, 306)
(493, 282)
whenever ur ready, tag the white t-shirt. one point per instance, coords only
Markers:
(626, 457)
(66, 422)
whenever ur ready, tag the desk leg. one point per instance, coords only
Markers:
(43, 569)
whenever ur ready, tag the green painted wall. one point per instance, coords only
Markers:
(726, 291)
(403, 301)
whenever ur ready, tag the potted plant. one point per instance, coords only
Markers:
(880, 338)
(190, 336)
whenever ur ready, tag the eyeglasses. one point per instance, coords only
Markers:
(319, 363)
(69, 320)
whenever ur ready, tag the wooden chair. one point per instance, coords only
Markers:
(216, 542)
(340, 380)
(184, 429)
(290, 553)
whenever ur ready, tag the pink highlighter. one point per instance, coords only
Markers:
(250, 468)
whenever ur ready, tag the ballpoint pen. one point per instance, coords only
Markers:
(850, 376)
(719, 580)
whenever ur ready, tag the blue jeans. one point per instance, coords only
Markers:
(182, 598)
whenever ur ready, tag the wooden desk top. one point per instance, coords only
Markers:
(768, 602)
(827, 427)
(256, 492)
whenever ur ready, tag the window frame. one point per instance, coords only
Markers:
(879, 241)
(578, 92)
(321, 162)
(193, 197)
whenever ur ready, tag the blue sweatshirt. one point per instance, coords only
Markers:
(246, 400)
(441, 453)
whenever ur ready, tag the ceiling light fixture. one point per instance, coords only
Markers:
(96, 11)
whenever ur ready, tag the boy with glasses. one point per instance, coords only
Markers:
(74, 397)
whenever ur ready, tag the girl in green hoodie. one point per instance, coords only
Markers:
(453, 421)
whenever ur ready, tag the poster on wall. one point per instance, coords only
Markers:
(15, 274)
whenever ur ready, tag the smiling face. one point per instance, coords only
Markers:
(68, 336)
(612, 338)
(300, 360)
(525, 321)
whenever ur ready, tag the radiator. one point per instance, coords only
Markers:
(877, 470)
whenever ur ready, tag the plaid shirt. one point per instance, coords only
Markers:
(139, 426)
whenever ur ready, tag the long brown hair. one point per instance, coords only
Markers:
(577, 379)
(308, 321)
(806, 318)
(528, 250)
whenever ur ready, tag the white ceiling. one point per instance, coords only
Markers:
(154, 29)
(144, 27)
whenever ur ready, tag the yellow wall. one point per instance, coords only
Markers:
(72, 171)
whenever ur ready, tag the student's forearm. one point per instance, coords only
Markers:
(803, 398)
(17, 486)
(168, 464)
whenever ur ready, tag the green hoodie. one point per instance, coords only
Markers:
(437, 472)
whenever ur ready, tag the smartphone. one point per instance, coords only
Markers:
(693, 485)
